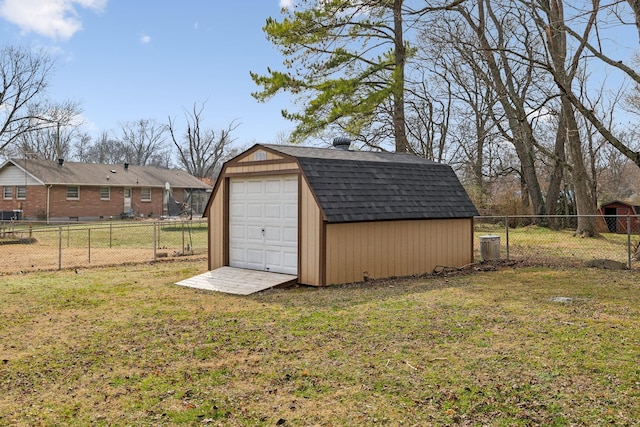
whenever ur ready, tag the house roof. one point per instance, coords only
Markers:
(82, 174)
(353, 186)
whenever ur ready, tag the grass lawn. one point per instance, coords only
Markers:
(558, 247)
(124, 346)
(99, 244)
(135, 234)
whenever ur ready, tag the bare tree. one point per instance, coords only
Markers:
(564, 65)
(601, 15)
(106, 150)
(53, 137)
(81, 146)
(23, 78)
(200, 150)
(467, 130)
(144, 142)
(515, 81)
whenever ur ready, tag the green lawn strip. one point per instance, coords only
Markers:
(123, 346)
(121, 234)
(558, 247)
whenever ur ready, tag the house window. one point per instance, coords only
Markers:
(73, 193)
(145, 194)
(21, 192)
(8, 193)
(105, 193)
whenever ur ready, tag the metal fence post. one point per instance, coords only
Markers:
(629, 242)
(182, 237)
(59, 247)
(506, 232)
(110, 234)
(154, 241)
(89, 243)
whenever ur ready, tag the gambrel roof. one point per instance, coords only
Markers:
(93, 174)
(634, 208)
(354, 186)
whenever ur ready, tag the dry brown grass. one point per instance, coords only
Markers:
(124, 346)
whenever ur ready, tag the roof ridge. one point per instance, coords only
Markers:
(348, 155)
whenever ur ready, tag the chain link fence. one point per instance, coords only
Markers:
(536, 240)
(38, 246)
(551, 240)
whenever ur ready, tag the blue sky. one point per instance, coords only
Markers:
(124, 60)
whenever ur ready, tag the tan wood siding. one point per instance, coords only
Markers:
(260, 168)
(309, 244)
(250, 157)
(216, 229)
(395, 248)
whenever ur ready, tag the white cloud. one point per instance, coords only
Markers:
(286, 4)
(145, 39)
(56, 19)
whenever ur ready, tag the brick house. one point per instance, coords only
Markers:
(47, 190)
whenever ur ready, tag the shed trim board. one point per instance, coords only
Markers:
(263, 173)
(359, 214)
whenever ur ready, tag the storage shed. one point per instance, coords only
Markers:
(618, 216)
(331, 216)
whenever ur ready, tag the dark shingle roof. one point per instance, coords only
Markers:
(336, 154)
(353, 186)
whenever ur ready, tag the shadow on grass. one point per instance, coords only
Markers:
(353, 294)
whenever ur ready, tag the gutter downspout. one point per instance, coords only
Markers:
(48, 188)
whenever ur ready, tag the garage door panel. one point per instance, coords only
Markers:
(237, 232)
(238, 187)
(290, 235)
(236, 210)
(237, 256)
(291, 260)
(266, 210)
(273, 235)
(290, 210)
(273, 211)
(255, 256)
(254, 234)
(273, 186)
(273, 258)
(291, 186)
(254, 210)
(254, 187)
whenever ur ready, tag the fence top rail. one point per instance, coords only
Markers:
(551, 216)
(41, 228)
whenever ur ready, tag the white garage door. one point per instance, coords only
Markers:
(263, 223)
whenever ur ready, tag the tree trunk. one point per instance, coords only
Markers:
(557, 43)
(555, 180)
(635, 6)
(513, 105)
(399, 125)
(585, 206)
